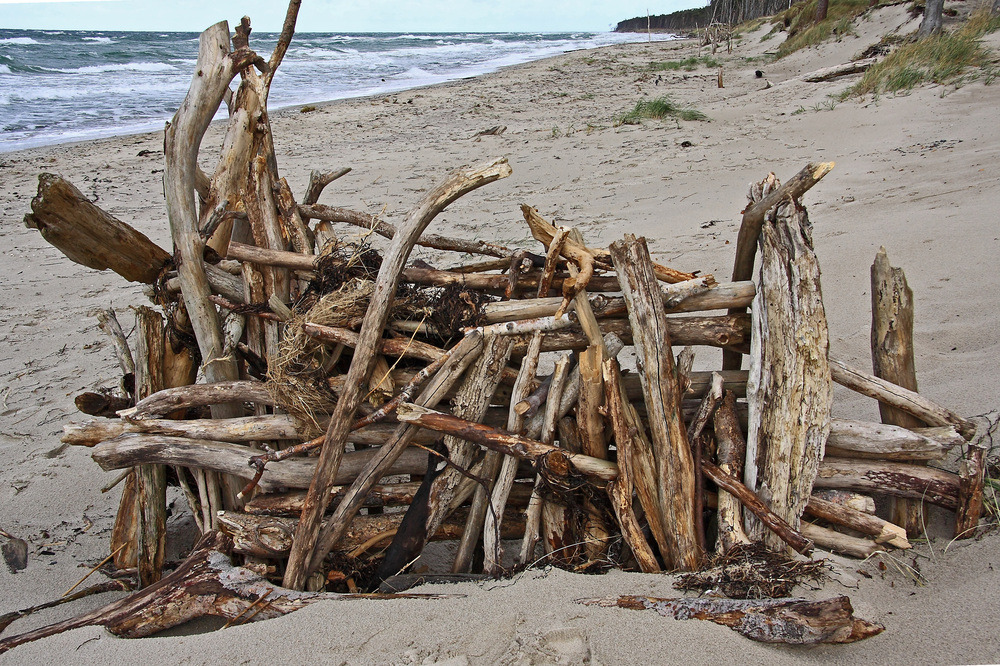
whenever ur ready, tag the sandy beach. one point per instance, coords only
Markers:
(914, 173)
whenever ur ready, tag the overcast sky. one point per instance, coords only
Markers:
(335, 15)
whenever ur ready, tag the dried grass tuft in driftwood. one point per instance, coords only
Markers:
(751, 571)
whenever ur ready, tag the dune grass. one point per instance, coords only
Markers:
(803, 31)
(687, 64)
(942, 58)
(661, 107)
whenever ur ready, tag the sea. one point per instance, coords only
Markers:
(58, 86)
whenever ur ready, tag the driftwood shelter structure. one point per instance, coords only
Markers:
(328, 410)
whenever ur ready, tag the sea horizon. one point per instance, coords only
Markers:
(60, 86)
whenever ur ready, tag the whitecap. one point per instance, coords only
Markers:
(4, 69)
(99, 40)
(123, 67)
(19, 41)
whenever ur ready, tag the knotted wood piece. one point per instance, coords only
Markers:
(790, 620)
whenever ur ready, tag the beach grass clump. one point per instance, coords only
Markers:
(661, 107)
(688, 64)
(803, 31)
(942, 58)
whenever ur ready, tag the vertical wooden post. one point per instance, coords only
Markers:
(892, 360)
(141, 522)
(789, 389)
(675, 466)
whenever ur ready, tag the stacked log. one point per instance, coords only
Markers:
(331, 445)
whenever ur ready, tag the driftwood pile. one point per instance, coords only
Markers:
(328, 410)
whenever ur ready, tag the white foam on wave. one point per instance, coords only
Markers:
(123, 67)
(19, 41)
(99, 40)
(4, 69)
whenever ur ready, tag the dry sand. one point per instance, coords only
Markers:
(914, 173)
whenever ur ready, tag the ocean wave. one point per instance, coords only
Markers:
(123, 67)
(19, 41)
(4, 69)
(99, 40)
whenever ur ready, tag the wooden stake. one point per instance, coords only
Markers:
(892, 360)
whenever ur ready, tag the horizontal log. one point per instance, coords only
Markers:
(245, 429)
(728, 331)
(860, 439)
(170, 400)
(882, 530)
(911, 402)
(129, 450)
(838, 542)
(890, 478)
(271, 536)
(791, 621)
(719, 297)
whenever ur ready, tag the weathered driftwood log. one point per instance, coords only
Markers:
(246, 429)
(674, 465)
(792, 621)
(838, 542)
(500, 493)
(718, 297)
(372, 223)
(318, 180)
(139, 535)
(882, 530)
(308, 550)
(101, 404)
(731, 454)
(129, 450)
(270, 537)
(753, 221)
(726, 331)
(170, 400)
(216, 68)
(860, 439)
(856, 501)
(789, 391)
(512, 445)
(89, 236)
(108, 322)
(637, 471)
(892, 360)
(898, 479)
(843, 69)
(753, 503)
(909, 401)
(205, 584)
(971, 474)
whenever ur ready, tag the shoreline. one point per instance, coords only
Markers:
(386, 86)
(913, 173)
